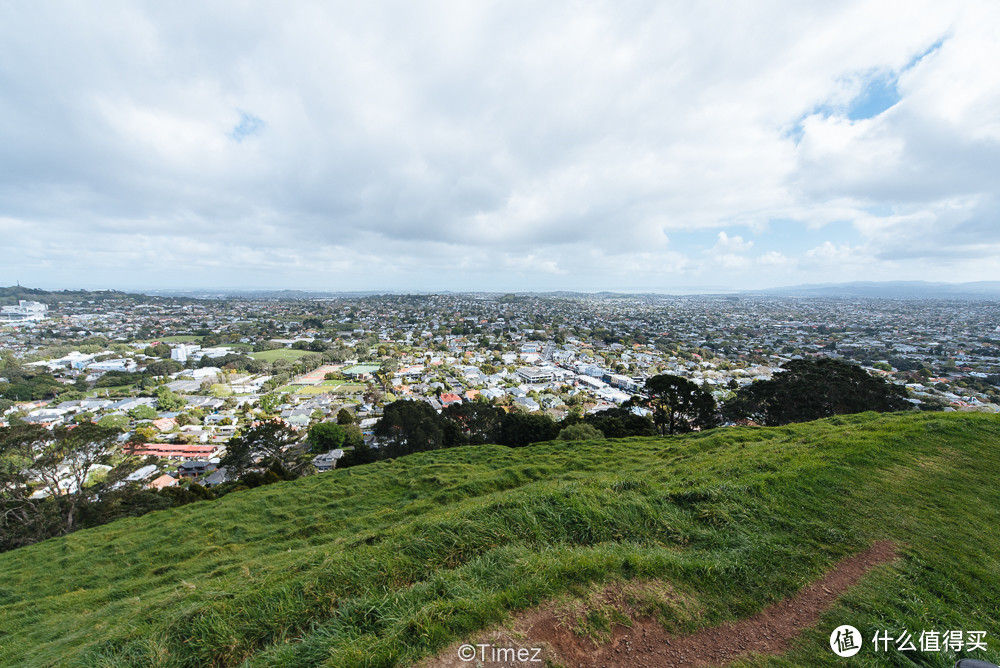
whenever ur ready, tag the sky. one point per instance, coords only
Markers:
(467, 145)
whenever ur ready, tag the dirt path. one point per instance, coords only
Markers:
(647, 645)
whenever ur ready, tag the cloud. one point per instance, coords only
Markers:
(728, 244)
(488, 144)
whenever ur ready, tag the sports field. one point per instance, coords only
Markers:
(334, 387)
(289, 354)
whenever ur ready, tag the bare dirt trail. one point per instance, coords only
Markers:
(647, 645)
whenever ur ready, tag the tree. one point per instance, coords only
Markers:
(167, 401)
(372, 394)
(353, 437)
(519, 429)
(266, 444)
(621, 423)
(358, 454)
(409, 426)
(813, 389)
(119, 422)
(325, 436)
(269, 402)
(59, 462)
(479, 423)
(85, 416)
(163, 368)
(143, 412)
(580, 432)
(159, 350)
(679, 405)
(345, 417)
(219, 390)
(144, 434)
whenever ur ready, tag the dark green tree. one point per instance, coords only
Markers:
(813, 389)
(621, 423)
(163, 368)
(477, 423)
(266, 444)
(519, 429)
(580, 432)
(678, 405)
(158, 350)
(345, 417)
(409, 426)
(325, 436)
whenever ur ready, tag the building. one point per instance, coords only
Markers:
(123, 364)
(195, 468)
(328, 460)
(177, 451)
(181, 352)
(449, 398)
(163, 481)
(533, 374)
(25, 311)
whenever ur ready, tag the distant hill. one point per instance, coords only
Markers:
(11, 295)
(380, 565)
(893, 290)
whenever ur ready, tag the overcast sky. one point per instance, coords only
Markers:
(498, 146)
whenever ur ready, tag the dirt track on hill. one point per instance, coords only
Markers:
(647, 645)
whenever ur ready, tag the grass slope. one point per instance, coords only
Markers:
(382, 564)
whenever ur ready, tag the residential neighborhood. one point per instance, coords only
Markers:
(181, 377)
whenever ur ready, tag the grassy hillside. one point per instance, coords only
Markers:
(382, 564)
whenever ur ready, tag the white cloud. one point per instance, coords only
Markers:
(556, 146)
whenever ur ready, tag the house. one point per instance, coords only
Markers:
(163, 481)
(177, 450)
(328, 460)
(528, 404)
(298, 421)
(448, 398)
(124, 364)
(195, 468)
(215, 478)
(164, 424)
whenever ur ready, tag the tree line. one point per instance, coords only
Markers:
(56, 481)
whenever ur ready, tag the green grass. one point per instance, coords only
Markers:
(289, 354)
(180, 338)
(313, 389)
(323, 388)
(382, 564)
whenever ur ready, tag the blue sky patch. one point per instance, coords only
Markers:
(880, 90)
(248, 126)
(879, 93)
